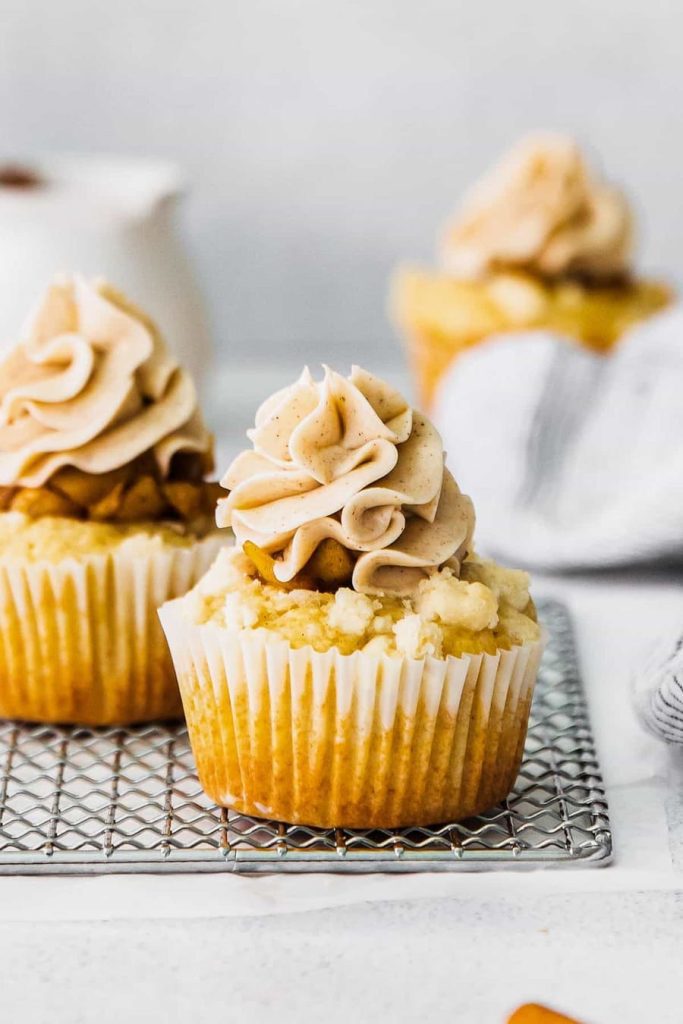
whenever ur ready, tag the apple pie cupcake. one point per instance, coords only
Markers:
(104, 510)
(351, 662)
(541, 242)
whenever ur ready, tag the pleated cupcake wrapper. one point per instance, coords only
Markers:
(80, 639)
(359, 740)
(430, 355)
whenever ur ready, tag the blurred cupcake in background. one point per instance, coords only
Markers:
(541, 242)
(104, 510)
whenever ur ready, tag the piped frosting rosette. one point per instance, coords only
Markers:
(541, 209)
(92, 386)
(348, 459)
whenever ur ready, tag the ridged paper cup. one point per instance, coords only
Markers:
(430, 355)
(437, 325)
(80, 639)
(354, 740)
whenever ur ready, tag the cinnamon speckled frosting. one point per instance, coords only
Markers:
(92, 386)
(541, 209)
(348, 459)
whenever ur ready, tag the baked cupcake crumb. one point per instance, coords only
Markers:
(53, 539)
(487, 610)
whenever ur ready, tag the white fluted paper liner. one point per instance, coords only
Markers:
(356, 740)
(80, 640)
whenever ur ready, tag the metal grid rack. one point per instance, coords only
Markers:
(79, 800)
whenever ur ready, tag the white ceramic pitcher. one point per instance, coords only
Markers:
(108, 216)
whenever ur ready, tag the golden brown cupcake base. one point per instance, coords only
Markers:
(80, 639)
(440, 317)
(354, 741)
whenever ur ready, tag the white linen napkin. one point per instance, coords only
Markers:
(658, 689)
(573, 460)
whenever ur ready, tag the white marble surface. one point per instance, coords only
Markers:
(608, 959)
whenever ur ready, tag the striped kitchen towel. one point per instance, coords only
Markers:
(658, 690)
(573, 460)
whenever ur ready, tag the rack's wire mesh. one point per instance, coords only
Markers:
(127, 799)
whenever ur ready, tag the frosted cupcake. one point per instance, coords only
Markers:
(541, 241)
(351, 662)
(104, 510)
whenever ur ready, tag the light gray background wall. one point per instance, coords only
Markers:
(327, 140)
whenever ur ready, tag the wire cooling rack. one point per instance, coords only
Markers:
(80, 800)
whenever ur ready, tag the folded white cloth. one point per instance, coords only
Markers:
(658, 689)
(571, 459)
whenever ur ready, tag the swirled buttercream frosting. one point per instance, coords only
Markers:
(348, 459)
(541, 209)
(92, 386)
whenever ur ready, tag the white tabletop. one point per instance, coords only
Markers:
(187, 948)
(604, 944)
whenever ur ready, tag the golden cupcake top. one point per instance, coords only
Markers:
(25, 539)
(97, 419)
(544, 210)
(345, 483)
(484, 609)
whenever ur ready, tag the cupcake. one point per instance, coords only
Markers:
(541, 242)
(104, 510)
(351, 661)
